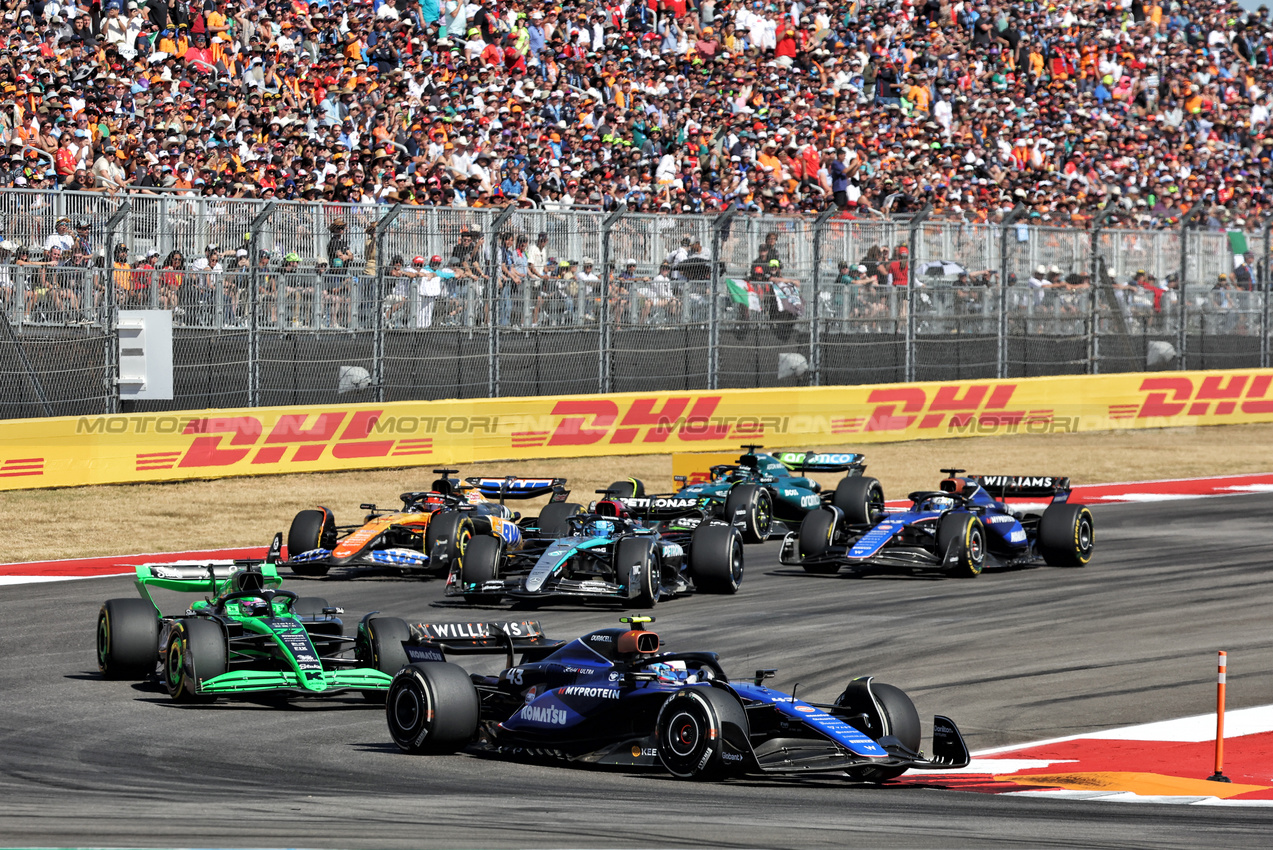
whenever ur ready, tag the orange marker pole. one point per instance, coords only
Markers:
(1219, 776)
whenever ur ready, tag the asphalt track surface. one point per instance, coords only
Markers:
(1012, 656)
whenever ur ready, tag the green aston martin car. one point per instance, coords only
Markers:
(246, 637)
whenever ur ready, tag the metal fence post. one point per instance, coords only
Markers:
(912, 234)
(1093, 338)
(719, 227)
(254, 250)
(492, 331)
(815, 320)
(1001, 360)
(1264, 280)
(378, 341)
(111, 303)
(606, 365)
(1182, 311)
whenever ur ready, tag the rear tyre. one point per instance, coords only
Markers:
(1067, 534)
(968, 535)
(815, 540)
(757, 509)
(446, 539)
(481, 564)
(627, 488)
(432, 708)
(310, 530)
(127, 639)
(196, 653)
(700, 734)
(552, 519)
(860, 498)
(638, 567)
(890, 712)
(379, 646)
(716, 559)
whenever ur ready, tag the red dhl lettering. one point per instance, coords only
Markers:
(1218, 395)
(225, 441)
(585, 422)
(899, 408)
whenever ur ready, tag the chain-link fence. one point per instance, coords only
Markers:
(283, 303)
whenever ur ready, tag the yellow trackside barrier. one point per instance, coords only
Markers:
(70, 451)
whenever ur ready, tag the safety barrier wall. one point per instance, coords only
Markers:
(71, 451)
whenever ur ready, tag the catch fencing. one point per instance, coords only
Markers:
(291, 303)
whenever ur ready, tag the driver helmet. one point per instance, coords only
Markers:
(939, 503)
(601, 528)
(671, 672)
(255, 606)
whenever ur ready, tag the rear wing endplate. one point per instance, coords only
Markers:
(822, 461)
(1023, 486)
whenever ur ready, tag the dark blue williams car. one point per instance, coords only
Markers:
(613, 697)
(957, 530)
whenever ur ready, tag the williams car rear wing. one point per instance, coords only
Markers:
(803, 462)
(520, 488)
(1024, 486)
(429, 641)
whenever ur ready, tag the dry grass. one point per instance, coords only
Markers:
(123, 519)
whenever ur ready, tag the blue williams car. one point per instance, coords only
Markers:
(605, 552)
(763, 495)
(958, 529)
(614, 697)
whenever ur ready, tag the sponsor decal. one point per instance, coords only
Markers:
(293, 636)
(1017, 536)
(661, 503)
(592, 693)
(995, 482)
(480, 631)
(423, 653)
(810, 501)
(638, 752)
(942, 729)
(531, 693)
(673, 550)
(731, 756)
(999, 520)
(584, 670)
(543, 714)
(614, 676)
(807, 709)
(600, 638)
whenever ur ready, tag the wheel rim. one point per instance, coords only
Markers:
(684, 734)
(103, 639)
(1085, 535)
(764, 514)
(176, 662)
(874, 502)
(975, 549)
(407, 710)
(655, 580)
(736, 563)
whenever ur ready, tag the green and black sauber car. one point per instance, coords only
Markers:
(246, 637)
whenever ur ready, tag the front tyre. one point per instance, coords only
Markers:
(447, 538)
(716, 559)
(1067, 535)
(379, 646)
(196, 653)
(700, 733)
(815, 540)
(860, 498)
(638, 567)
(877, 709)
(965, 533)
(432, 708)
(312, 529)
(750, 509)
(481, 565)
(127, 639)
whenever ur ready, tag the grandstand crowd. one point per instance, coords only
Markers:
(681, 106)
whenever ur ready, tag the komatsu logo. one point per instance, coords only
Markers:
(544, 714)
(594, 693)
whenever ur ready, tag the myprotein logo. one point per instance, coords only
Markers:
(591, 693)
(1212, 395)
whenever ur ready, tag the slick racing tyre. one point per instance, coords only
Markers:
(626, 489)
(379, 646)
(310, 530)
(815, 539)
(432, 708)
(196, 653)
(702, 733)
(552, 519)
(716, 559)
(757, 508)
(637, 567)
(446, 539)
(877, 709)
(861, 499)
(481, 564)
(127, 639)
(1067, 534)
(968, 535)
